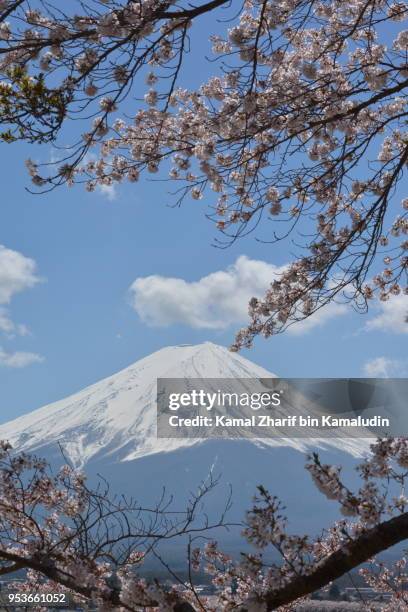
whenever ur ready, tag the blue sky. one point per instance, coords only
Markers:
(71, 313)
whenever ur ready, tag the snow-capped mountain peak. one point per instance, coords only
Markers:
(117, 415)
(114, 419)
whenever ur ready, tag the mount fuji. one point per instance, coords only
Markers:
(109, 428)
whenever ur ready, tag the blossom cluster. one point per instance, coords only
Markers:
(303, 124)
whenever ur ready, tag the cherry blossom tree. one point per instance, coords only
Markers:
(301, 125)
(77, 540)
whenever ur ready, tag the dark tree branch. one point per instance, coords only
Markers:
(370, 543)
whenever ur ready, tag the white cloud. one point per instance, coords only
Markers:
(108, 191)
(18, 359)
(8, 327)
(383, 367)
(17, 273)
(215, 301)
(392, 316)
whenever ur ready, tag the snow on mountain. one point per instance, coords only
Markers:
(115, 418)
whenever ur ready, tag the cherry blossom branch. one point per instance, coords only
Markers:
(365, 547)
